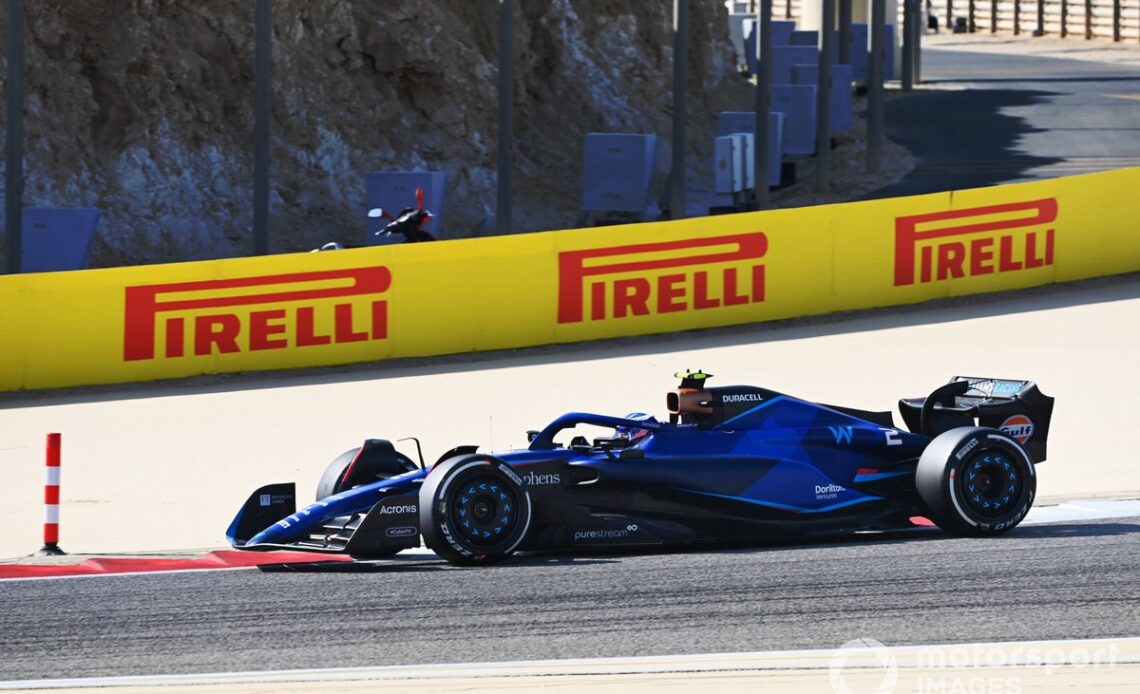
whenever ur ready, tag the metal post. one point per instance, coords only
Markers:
(993, 16)
(875, 70)
(263, 62)
(14, 137)
(907, 47)
(763, 103)
(1064, 18)
(1040, 30)
(823, 100)
(950, 15)
(918, 28)
(844, 51)
(1088, 19)
(1115, 20)
(680, 106)
(506, 107)
(1016, 17)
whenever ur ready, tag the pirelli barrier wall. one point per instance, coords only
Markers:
(286, 311)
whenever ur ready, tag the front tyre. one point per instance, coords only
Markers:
(977, 481)
(474, 510)
(375, 460)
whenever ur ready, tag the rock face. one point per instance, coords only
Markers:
(144, 108)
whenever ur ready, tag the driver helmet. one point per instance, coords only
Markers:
(635, 433)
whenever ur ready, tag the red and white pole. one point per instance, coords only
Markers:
(51, 498)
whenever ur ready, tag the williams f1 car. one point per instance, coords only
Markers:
(735, 464)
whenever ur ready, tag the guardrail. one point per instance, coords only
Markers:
(287, 311)
(1118, 20)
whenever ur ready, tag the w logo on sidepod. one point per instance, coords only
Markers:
(1019, 427)
(841, 434)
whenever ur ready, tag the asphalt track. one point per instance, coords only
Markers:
(1066, 580)
(981, 119)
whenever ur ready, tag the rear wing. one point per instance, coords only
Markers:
(1015, 407)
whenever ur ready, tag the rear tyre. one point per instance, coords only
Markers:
(474, 510)
(977, 481)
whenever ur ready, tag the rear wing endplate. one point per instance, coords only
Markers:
(1015, 407)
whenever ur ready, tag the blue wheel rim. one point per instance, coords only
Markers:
(991, 483)
(484, 510)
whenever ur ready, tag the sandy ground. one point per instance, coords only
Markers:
(162, 467)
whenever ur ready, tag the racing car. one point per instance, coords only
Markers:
(732, 464)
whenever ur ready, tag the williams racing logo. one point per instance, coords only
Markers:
(251, 314)
(976, 241)
(658, 278)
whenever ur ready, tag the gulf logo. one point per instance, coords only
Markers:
(1019, 427)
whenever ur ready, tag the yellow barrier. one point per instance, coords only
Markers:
(286, 311)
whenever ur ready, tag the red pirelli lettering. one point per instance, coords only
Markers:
(617, 281)
(930, 245)
(217, 330)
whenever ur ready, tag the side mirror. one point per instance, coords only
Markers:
(376, 213)
(532, 434)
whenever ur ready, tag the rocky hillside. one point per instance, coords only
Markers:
(144, 108)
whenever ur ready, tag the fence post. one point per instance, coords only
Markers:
(504, 171)
(907, 48)
(918, 28)
(263, 65)
(823, 100)
(14, 137)
(843, 50)
(677, 180)
(763, 103)
(875, 69)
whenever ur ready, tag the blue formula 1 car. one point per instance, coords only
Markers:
(735, 464)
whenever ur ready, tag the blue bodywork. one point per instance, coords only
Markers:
(772, 466)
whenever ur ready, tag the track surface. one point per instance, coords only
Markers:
(1073, 580)
(981, 119)
(1068, 580)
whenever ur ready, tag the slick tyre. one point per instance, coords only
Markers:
(977, 481)
(375, 460)
(474, 510)
(334, 474)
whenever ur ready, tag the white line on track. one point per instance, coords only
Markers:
(1054, 654)
(1083, 509)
